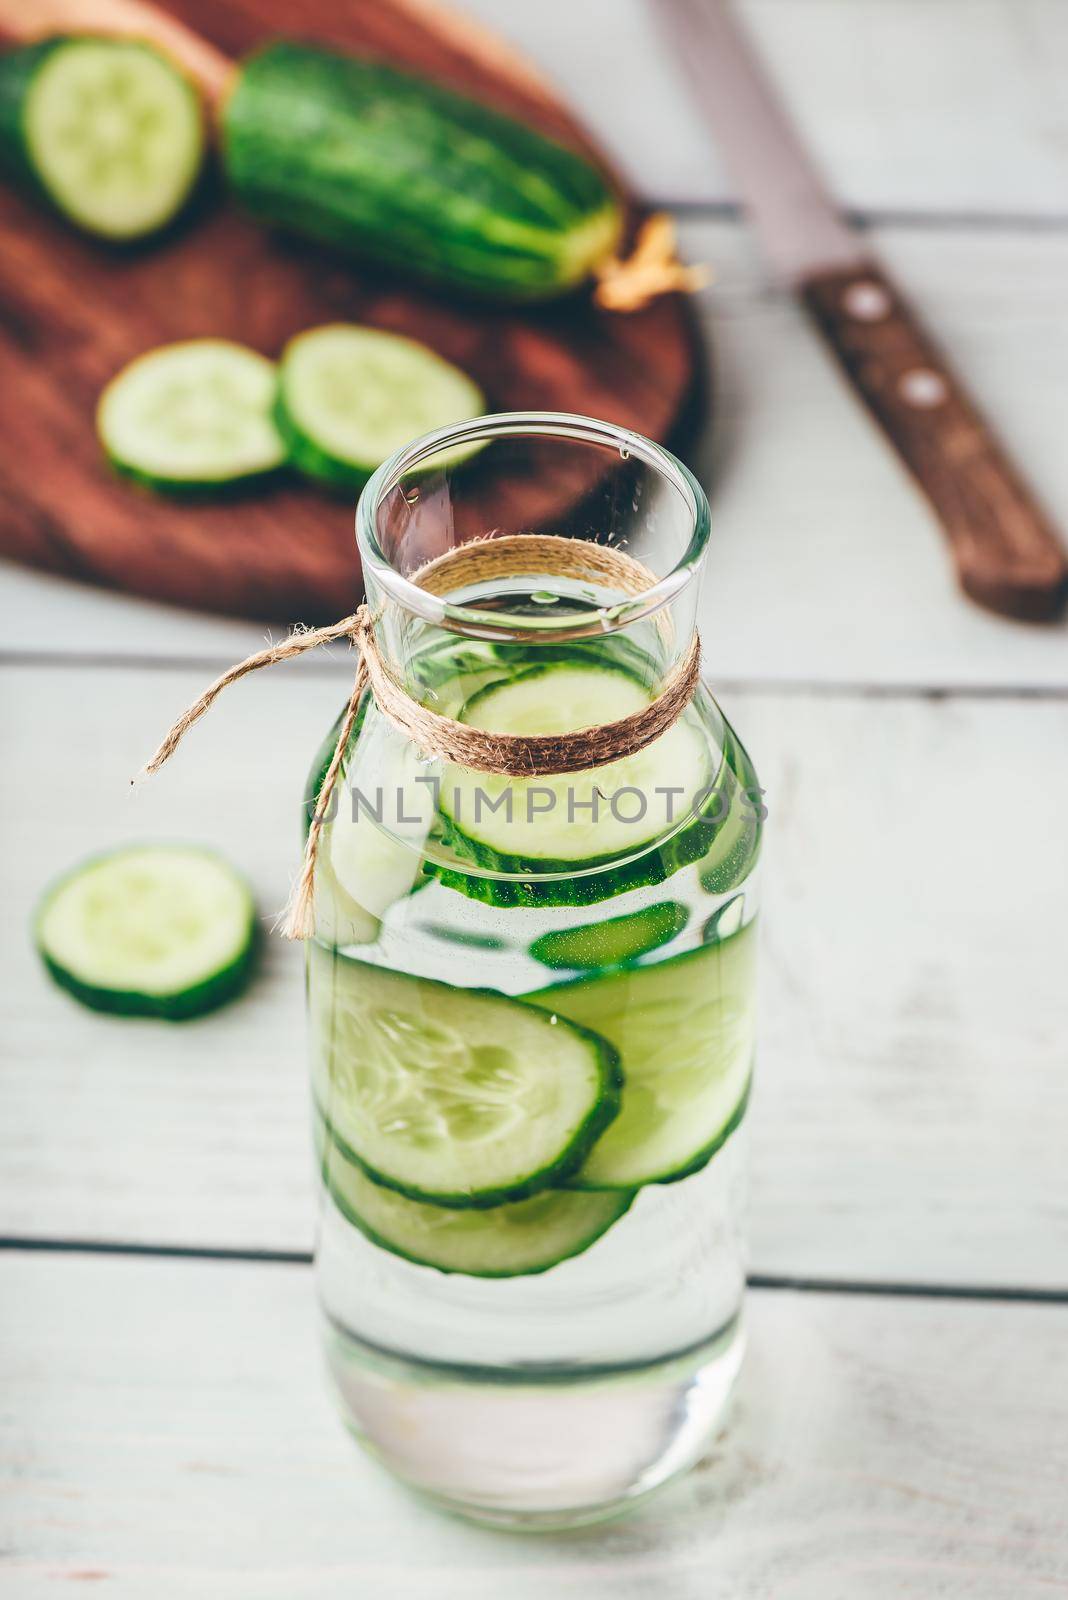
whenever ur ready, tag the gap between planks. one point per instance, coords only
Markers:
(756, 1282)
(330, 662)
(866, 219)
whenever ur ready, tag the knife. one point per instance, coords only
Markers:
(1005, 550)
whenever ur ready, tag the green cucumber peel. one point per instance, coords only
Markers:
(546, 1229)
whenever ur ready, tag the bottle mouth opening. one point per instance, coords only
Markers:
(465, 438)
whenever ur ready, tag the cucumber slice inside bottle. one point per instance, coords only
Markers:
(735, 845)
(726, 920)
(507, 1241)
(371, 849)
(150, 930)
(685, 1031)
(447, 676)
(109, 130)
(351, 396)
(192, 416)
(581, 819)
(339, 919)
(375, 842)
(610, 943)
(461, 1097)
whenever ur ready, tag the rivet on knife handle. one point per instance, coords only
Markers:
(1006, 552)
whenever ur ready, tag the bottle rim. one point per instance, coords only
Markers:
(561, 425)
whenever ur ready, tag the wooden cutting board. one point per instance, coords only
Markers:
(72, 312)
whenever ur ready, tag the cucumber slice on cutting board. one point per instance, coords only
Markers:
(610, 943)
(350, 396)
(457, 1096)
(192, 416)
(152, 930)
(107, 129)
(507, 1241)
(685, 1032)
(544, 826)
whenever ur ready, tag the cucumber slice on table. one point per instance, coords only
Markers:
(152, 930)
(609, 943)
(192, 416)
(350, 396)
(109, 131)
(685, 1032)
(457, 1096)
(545, 826)
(506, 1241)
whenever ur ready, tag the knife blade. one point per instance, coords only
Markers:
(1006, 552)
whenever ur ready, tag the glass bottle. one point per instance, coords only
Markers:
(531, 1000)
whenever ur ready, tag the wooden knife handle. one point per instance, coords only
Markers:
(1007, 554)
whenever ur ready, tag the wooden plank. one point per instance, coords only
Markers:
(912, 1093)
(914, 1007)
(45, 615)
(947, 107)
(166, 1433)
(824, 564)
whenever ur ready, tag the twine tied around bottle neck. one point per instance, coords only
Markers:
(508, 754)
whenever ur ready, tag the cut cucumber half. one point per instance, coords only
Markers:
(150, 930)
(457, 1096)
(350, 396)
(192, 416)
(547, 825)
(685, 1031)
(610, 943)
(508, 1241)
(108, 129)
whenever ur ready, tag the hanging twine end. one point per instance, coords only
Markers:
(298, 918)
(652, 269)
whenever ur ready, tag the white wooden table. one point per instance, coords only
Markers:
(902, 1426)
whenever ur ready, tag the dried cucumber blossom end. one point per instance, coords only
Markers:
(652, 269)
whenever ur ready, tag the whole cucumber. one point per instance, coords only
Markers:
(393, 168)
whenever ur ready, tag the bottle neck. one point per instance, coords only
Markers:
(527, 622)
